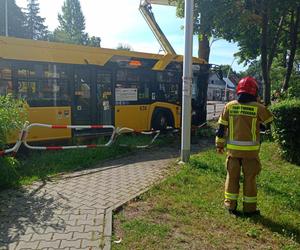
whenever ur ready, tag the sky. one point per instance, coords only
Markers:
(119, 21)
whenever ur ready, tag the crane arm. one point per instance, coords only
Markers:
(163, 2)
(146, 11)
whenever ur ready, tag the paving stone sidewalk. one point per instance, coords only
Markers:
(75, 211)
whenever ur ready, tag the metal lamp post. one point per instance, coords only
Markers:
(6, 19)
(187, 82)
(228, 73)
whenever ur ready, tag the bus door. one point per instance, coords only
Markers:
(105, 97)
(82, 104)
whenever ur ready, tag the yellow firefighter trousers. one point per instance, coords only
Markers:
(251, 168)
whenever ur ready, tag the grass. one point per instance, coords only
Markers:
(40, 165)
(187, 209)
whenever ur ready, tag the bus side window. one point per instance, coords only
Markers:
(131, 87)
(42, 85)
(168, 87)
(161, 93)
(6, 86)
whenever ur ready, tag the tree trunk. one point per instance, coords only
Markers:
(203, 52)
(203, 40)
(204, 49)
(294, 26)
(202, 94)
(264, 52)
(275, 42)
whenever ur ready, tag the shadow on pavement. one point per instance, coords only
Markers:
(143, 155)
(25, 211)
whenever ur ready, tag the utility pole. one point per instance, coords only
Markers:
(6, 19)
(187, 82)
(228, 73)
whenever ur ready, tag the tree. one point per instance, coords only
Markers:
(71, 23)
(72, 26)
(94, 41)
(122, 46)
(294, 29)
(60, 36)
(205, 13)
(16, 20)
(256, 25)
(227, 70)
(263, 29)
(253, 70)
(35, 24)
(204, 20)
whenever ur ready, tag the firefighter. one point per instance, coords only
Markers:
(240, 122)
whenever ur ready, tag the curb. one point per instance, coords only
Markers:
(108, 227)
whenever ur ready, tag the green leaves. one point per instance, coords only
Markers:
(72, 26)
(286, 128)
(12, 117)
(8, 169)
(16, 20)
(35, 24)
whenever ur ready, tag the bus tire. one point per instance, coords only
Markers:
(162, 118)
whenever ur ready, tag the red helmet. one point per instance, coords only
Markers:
(247, 85)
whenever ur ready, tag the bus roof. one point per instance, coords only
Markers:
(42, 51)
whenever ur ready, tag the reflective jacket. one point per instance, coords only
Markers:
(242, 121)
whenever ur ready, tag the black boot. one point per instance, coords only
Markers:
(233, 211)
(250, 214)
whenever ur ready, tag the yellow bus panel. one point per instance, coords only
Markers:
(47, 115)
(139, 117)
(32, 50)
(53, 116)
(132, 116)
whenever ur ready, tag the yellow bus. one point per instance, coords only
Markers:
(66, 84)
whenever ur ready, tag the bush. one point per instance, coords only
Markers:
(208, 130)
(286, 128)
(12, 117)
(8, 172)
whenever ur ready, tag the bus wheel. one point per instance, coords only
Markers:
(160, 121)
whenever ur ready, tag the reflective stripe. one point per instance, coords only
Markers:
(268, 120)
(248, 199)
(231, 196)
(243, 148)
(239, 109)
(247, 110)
(243, 143)
(253, 130)
(223, 122)
(219, 140)
(231, 128)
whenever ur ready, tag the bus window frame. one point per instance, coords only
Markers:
(178, 82)
(40, 82)
(126, 82)
(6, 65)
